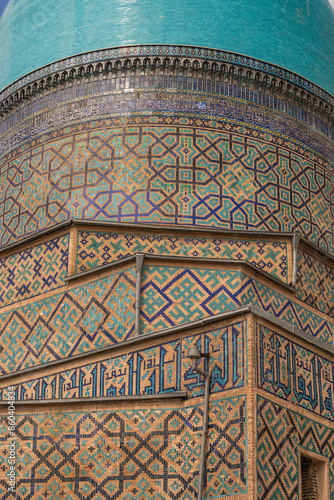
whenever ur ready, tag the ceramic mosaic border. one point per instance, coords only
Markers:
(154, 51)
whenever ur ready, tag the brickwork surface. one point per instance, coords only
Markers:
(99, 248)
(164, 368)
(137, 454)
(194, 98)
(279, 434)
(83, 319)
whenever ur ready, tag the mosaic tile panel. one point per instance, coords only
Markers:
(171, 296)
(98, 248)
(295, 374)
(177, 96)
(279, 434)
(179, 173)
(161, 369)
(33, 271)
(83, 319)
(137, 455)
(277, 304)
(315, 283)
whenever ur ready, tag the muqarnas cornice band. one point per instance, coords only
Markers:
(207, 64)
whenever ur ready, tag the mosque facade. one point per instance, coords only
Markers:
(167, 183)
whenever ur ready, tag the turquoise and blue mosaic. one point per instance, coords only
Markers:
(137, 454)
(172, 296)
(152, 52)
(164, 368)
(34, 271)
(290, 311)
(314, 284)
(281, 434)
(191, 97)
(102, 312)
(170, 171)
(99, 248)
(85, 318)
(294, 373)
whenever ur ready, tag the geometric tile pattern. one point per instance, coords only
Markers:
(294, 373)
(93, 315)
(277, 304)
(315, 283)
(33, 271)
(83, 319)
(279, 434)
(224, 102)
(134, 454)
(99, 248)
(215, 175)
(171, 296)
(161, 369)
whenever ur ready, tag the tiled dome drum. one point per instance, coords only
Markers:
(158, 196)
(167, 134)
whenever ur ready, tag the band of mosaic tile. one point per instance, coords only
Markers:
(280, 435)
(170, 97)
(99, 248)
(174, 174)
(161, 369)
(107, 454)
(294, 373)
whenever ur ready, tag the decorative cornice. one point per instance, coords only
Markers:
(215, 64)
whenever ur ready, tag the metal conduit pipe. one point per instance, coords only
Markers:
(139, 265)
(295, 244)
(194, 354)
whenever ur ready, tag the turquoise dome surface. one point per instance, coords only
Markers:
(295, 34)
